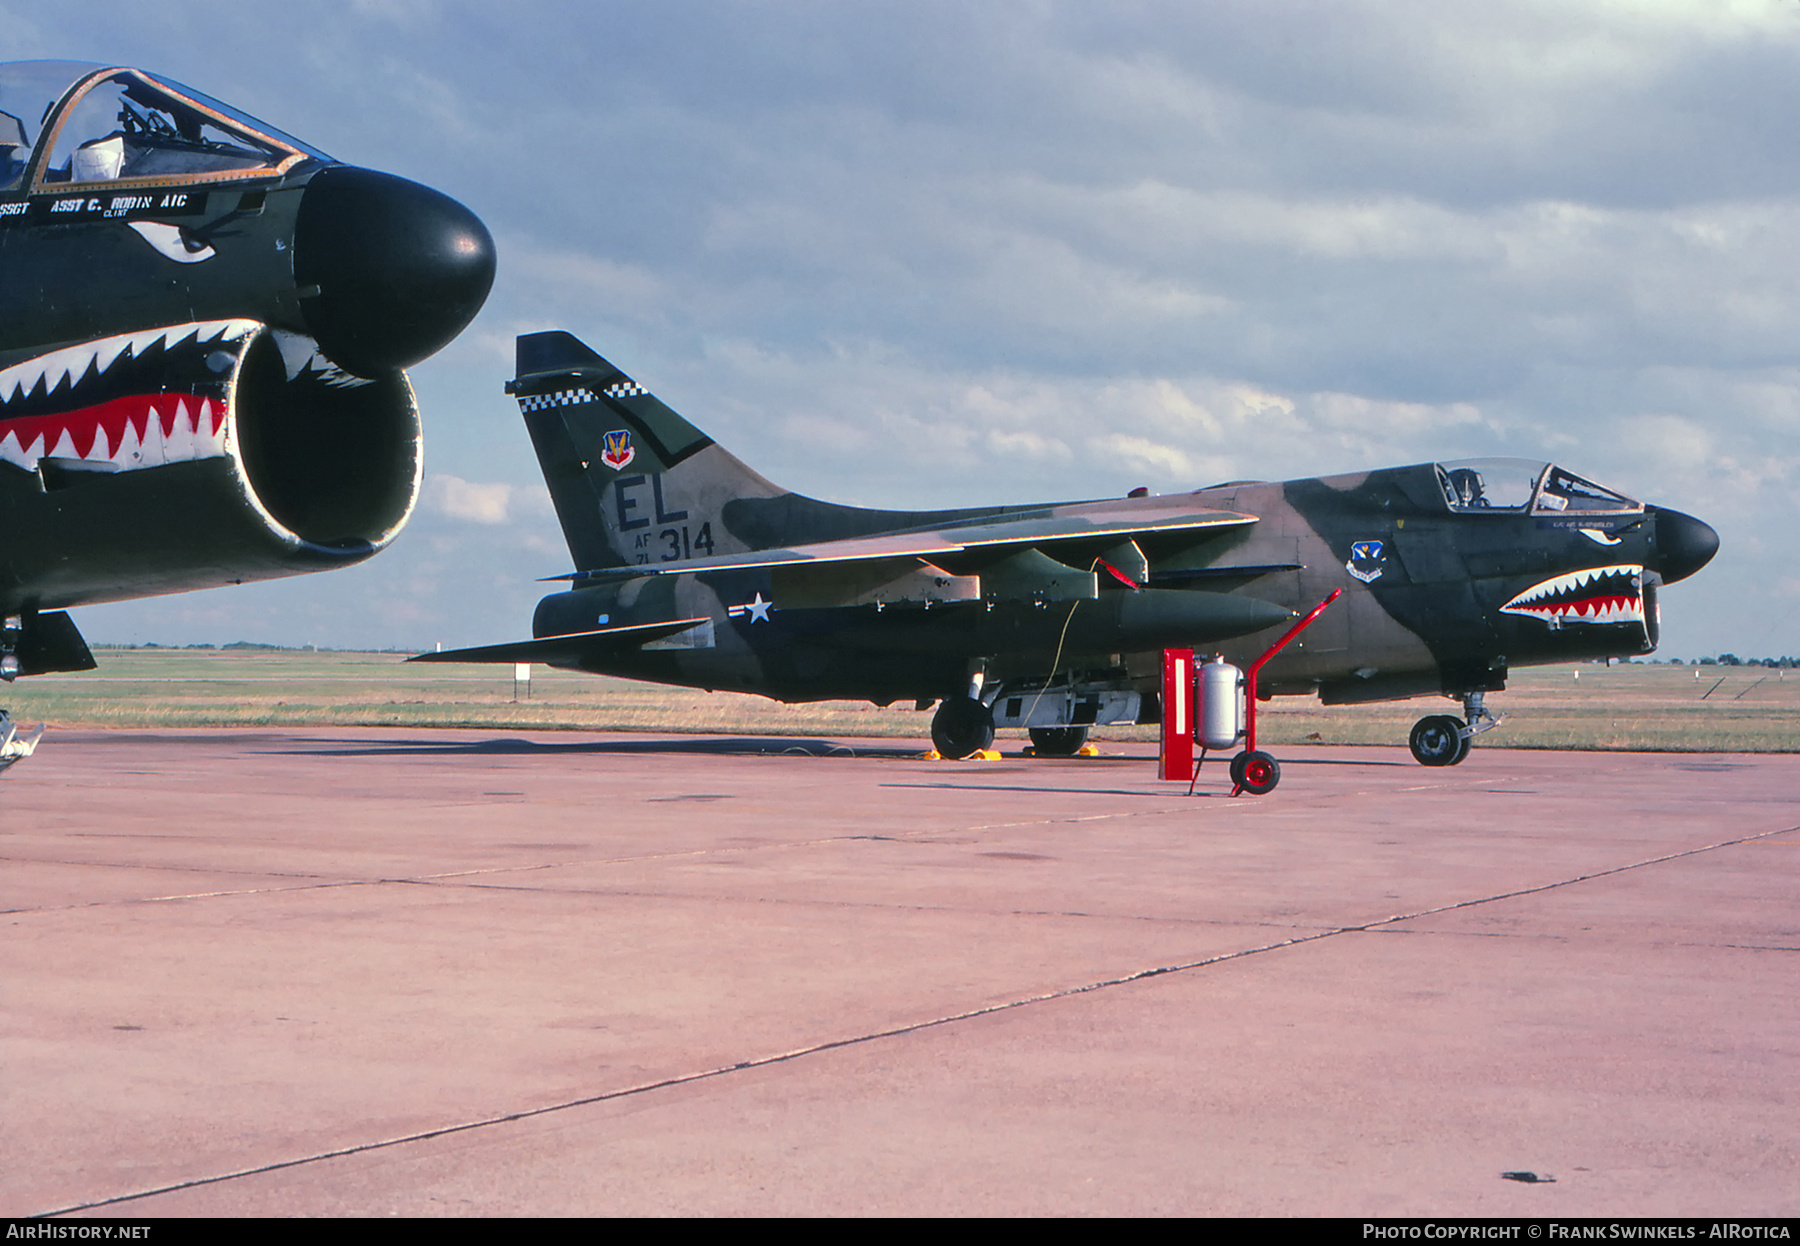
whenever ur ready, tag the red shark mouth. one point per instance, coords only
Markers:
(1598, 595)
(123, 403)
(143, 430)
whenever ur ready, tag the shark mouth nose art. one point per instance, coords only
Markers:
(1597, 595)
(127, 433)
(317, 455)
(120, 403)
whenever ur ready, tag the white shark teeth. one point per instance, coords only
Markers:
(1583, 597)
(1575, 581)
(68, 365)
(300, 353)
(129, 433)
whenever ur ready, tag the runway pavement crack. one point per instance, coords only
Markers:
(914, 1027)
(306, 882)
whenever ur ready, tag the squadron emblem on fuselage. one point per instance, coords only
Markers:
(1366, 560)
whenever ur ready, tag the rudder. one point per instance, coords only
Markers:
(632, 482)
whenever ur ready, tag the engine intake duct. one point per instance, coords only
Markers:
(333, 459)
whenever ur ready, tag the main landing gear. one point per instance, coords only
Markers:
(1443, 739)
(962, 726)
(1058, 741)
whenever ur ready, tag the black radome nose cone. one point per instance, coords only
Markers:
(1683, 544)
(399, 269)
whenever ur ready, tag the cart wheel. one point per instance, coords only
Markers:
(1256, 773)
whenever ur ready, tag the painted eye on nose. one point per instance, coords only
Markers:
(173, 242)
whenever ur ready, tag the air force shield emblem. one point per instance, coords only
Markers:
(616, 449)
(1366, 558)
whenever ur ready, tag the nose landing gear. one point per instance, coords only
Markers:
(1443, 740)
(35, 644)
(12, 747)
(11, 632)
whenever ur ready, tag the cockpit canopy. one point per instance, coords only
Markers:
(66, 125)
(1484, 486)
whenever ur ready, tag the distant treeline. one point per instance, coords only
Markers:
(1727, 659)
(241, 646)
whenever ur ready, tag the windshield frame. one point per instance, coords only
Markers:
(1558, 481)
(1512, 473)
(24, 86)
(290, 151)
(1548, 480)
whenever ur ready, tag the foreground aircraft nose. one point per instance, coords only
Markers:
(1683, 544)
(388, 270)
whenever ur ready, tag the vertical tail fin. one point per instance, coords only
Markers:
(631, 480)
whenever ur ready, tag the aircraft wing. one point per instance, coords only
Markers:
(574, 647)
(1072, 529)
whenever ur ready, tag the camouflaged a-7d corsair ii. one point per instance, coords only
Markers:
(203, 326)
(694, 570)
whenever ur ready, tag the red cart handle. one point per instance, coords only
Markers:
(1277, 647)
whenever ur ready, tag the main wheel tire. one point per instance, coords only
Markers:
(1256, 773)
(1058, 741)
(961, 726)
(1438, 741)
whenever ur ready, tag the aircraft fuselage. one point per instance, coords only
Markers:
(1434, 601)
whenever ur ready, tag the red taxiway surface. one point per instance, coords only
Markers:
(362, 972)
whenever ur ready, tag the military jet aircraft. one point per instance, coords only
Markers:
(694, 570)
(203, 326)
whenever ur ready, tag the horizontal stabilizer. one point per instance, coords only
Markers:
(575, 647)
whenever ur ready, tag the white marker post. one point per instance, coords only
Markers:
(521, 675)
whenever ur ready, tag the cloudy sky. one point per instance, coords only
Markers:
(933, 254)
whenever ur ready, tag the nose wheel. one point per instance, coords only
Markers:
(1443, 739)
(1439, 741)
(13, 746)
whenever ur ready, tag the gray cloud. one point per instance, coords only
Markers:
(927, 254)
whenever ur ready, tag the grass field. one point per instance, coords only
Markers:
(1635, 706)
